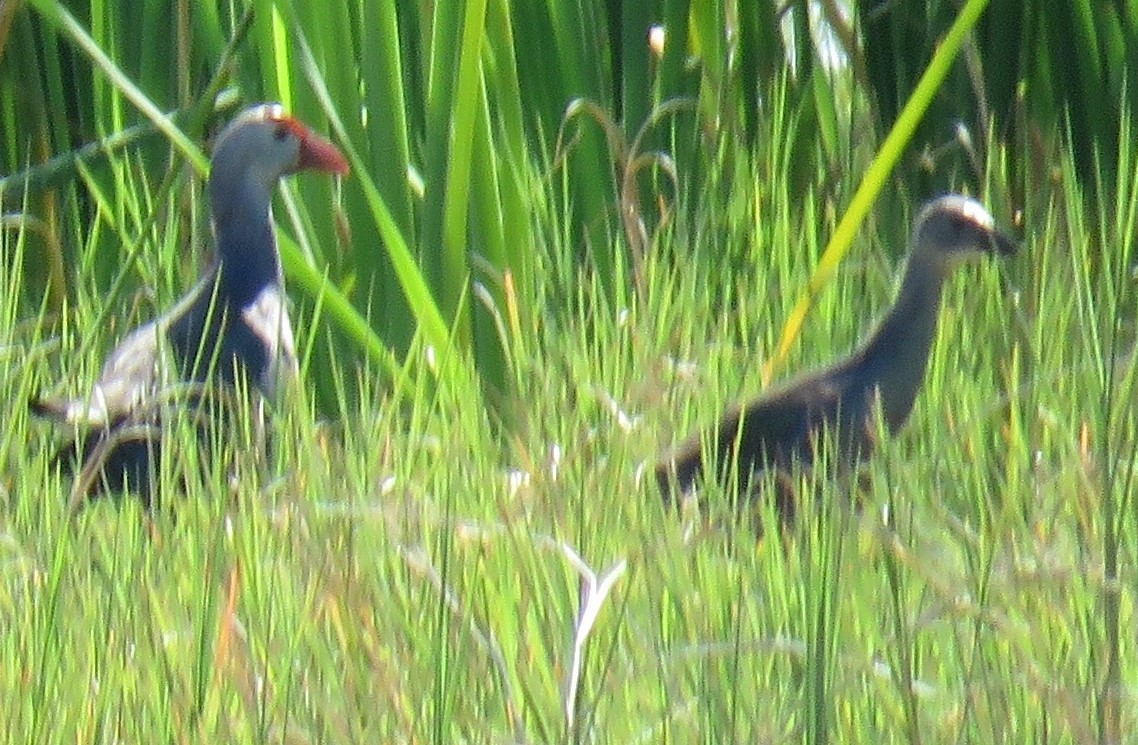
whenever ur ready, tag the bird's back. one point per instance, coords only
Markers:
(777, 430)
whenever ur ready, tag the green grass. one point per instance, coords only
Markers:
(404, 574)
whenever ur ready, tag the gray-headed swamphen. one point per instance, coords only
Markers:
(232, 326)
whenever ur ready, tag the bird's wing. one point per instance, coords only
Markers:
(787, 424)
(826, 397)
(756, 426)
(132, 373)
(779, 424)
(138, 369)
(775, 427)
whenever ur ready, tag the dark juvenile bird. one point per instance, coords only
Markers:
(232, 326)
(883, 375)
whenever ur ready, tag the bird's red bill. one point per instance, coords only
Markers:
(317, 152)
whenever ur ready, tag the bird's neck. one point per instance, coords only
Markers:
(897, 353)
(248, 259)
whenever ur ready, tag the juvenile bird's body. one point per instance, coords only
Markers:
(232, 326)
(842, 401)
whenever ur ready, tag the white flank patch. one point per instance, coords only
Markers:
(268, 318)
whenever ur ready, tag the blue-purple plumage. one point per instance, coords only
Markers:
(233, 325)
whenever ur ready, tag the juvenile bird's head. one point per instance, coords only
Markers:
(954, 227)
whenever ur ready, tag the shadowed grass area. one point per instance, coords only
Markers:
(404, 575)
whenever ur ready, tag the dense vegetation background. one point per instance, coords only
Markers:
(567, 238)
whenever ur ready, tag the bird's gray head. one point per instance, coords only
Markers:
(261, 145)
(955, 227)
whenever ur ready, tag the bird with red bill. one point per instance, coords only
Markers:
(231, 330)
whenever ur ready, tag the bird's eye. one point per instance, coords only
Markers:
(280, 133)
